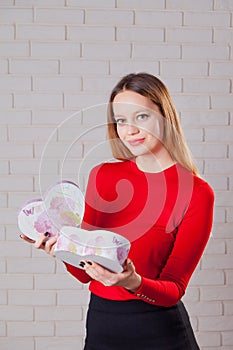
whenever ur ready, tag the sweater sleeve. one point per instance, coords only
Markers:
(191, 239)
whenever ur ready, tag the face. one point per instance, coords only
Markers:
(139, 122)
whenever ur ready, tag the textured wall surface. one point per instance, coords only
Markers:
(60, 57)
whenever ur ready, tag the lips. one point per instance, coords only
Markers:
(136, 142)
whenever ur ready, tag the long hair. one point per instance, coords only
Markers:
(151, 87)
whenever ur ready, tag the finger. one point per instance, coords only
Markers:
(26, 239)
(40, 241)
(49, 245)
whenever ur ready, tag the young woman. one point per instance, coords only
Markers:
(155, 198)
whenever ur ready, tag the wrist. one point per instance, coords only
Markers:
(134, 283)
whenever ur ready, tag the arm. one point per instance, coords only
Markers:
(193, 234)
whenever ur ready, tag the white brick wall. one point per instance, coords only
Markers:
(58, 56)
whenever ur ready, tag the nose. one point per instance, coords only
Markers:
(132, 129)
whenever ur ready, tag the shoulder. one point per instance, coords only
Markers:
(202, 187)
(110, 168)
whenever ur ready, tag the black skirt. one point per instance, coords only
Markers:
(136, 325)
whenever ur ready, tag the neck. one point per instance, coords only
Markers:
(154, 163)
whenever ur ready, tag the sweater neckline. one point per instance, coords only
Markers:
(134, 166)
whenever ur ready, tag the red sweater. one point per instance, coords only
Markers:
(167, 216)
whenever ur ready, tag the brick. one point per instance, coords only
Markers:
(230, 214)
(85, 100)
(159, 18)
(220, 69)
(59, 343)
(6, 100)
(89, 3)
(219, 214)
(3, 200)
(137, 4)
(30, 133)
(191, 101)
(174, 85)
(208, 339)
(99, 84)
(204, 118)
(4, 167)
(16, 183)
(189, 5)
(56, 15)
(123, 67)
(208, 150)
(16, 200)
(222, 101)
(16, 15)
(230, 246)
(2, 329)
(228, 307)
(32, 297)
(205, 52)
(220, 166)
(229, 277)
(82, 134)
(39, 3)
(40, 32)
(220, 134)
(188, 35)
(94, 150)
(73, 297)
(55, 282)
(13, 116)
(28, 265)
(106, 50)
(203, 277)
(205, 308)
(16, 282)
(215, 19)
(217, 293)
(35, 100)
(193, 135)
(91, 33)
(14, 49)
(218, 182)
(22, 329)
(223, 5)
(3, 297)
(93, 67)
(156, 51)
(56, 117)
(222, 230)
(217, 261)
(3, 66)
(223, 35)
(220, 323)
(16, 313)
(108, 17)
(13, 249)
(142, 34)
(32, 66)
(223, 198)
(7, 2)
(57, 49)
(59, 150)
(7, 32)
(184, 68)
(3, 134)
(58, 313)
(15, 150)
(15, 83)
(16, 343)
(57, 83)
(207, 85)
(227, 338)
(69, 329)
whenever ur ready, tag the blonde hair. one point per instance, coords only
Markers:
(151, 87)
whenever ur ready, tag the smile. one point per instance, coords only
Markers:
(136, 142)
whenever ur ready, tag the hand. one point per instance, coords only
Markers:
(42, 242)
(128, 279)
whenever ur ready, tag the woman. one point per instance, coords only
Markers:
(154, 198)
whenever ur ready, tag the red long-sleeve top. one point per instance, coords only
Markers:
(167, 216)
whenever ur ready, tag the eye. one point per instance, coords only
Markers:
(142, 116)
(120, 120)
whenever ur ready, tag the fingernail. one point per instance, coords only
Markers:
(89, 262)
(46, 234)
(21, 236)
(82, 264)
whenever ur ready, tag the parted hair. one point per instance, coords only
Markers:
(153, 88)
